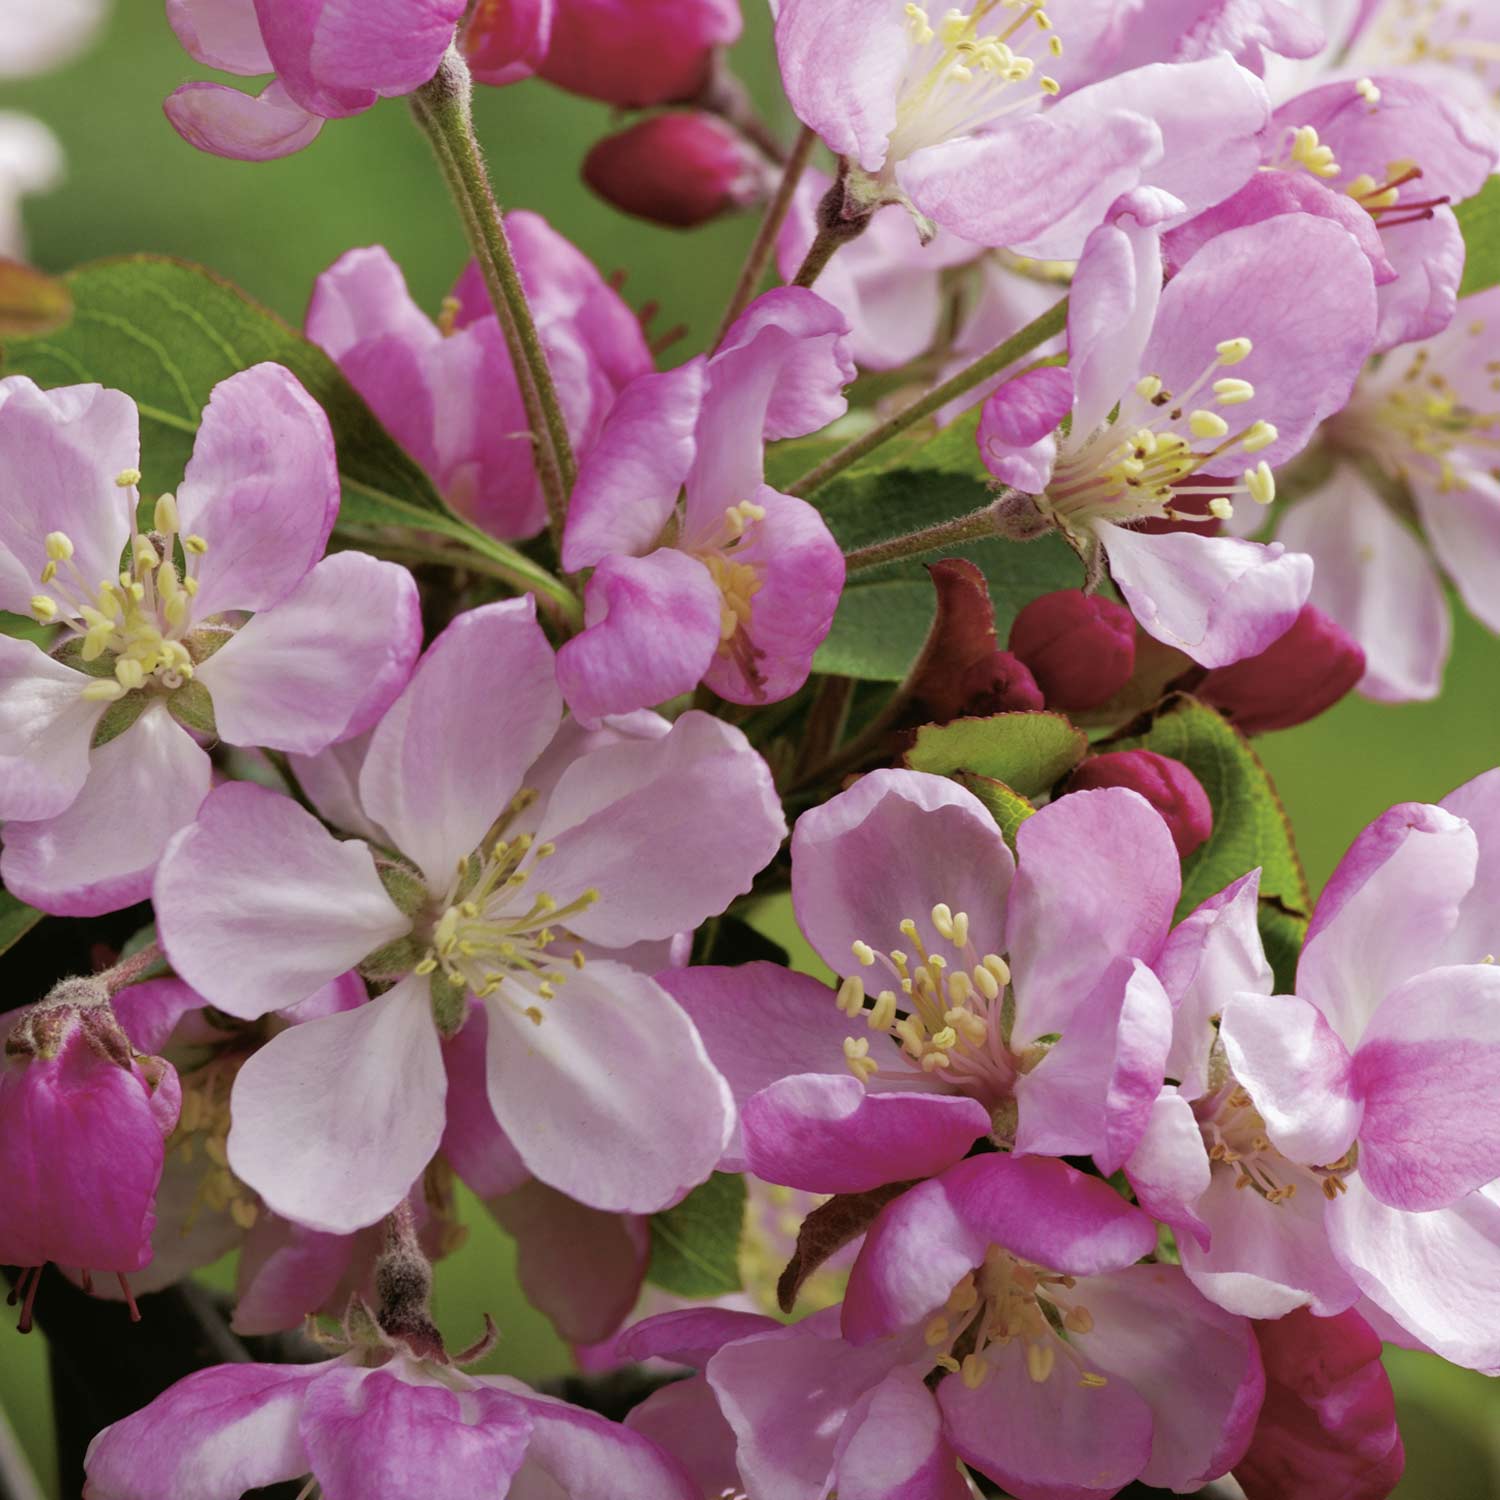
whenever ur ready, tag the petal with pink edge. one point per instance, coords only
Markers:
(1018, 428)
(261, 489)
(1196, 1366)
(668, 830)
(1169, 1168)
(99, 854)
(1219, 599)
(46, 727)
(488, 681)
(370, 1432)
(244, 127)
(390, 47)
(579, 1266)
(335, 1119)
(612, 1098)
(691, 1335)
(1097, 883)
(651, 627)
(824, 1133)
(212, 1436)
(890, 848)
(1428, 1073)
(286, 1273)
(892, 1446)
(684, 1419)
(1478, 803)
(1365, 558)
(258, 905)
(221, 34)
(324, 663)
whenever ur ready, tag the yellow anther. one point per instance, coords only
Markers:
(1040, 1358)
(1232, 392)
(129, 673)
(145, 555)
(974, 1371)
(883, 1014)
(103, 690)
(960, 929)
(1221, 508)
(426, 966)
(1368, 90)
(863, 952)
(921, 28)
(1207, 424)
(851, 998)
(1049, 85)
(59, 546)
(127, 477)
(164, 516)
(936, 1332)
(544, 851)
(857, 1058)
(578, 958)
(964, 1296)
(1234, 351)
(1092, 1380)
(997, 966)
(1260, 435)
(43, 608)
(534, 1015)
(947, 1362)
(946, 1039)
(960, 987)
(934, 1062)
(195, 544)
(1055, 45)
(1148, 387)
(987, 983)
(1261, 483)
(1311, 154)
(1078, 1320)
(942, 920)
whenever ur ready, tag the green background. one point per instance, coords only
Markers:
(272, 227)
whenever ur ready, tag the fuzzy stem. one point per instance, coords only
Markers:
(970, 528)
(442, 110)
(129, 970)
(1035, 333)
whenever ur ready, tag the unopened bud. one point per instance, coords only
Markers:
(1293, 680)
(1165, 783)
(505, 41)
(1080, 647)
(1001, 683)
(678, 169)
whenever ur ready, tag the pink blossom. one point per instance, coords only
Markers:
(564, 864)
(257, 641)
(1079, 647)
(1225, 372)
(448, 391)
(738, 589)
(505, 41)
(330, 60)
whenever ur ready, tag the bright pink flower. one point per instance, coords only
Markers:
(1224, 373)
(1327, 1429)
(1168, 785)
(738, 588)
(260, 641)
(330, 60)
(951, 114)
(1079, 647)
(904, 869)
(448, 391)
(564, 863)
(399, 1428)
(83, 1117)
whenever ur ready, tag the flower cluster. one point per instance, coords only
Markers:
(1084, 1148)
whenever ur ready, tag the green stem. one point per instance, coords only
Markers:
(970, 528)
(442, 109)
(1051, 322)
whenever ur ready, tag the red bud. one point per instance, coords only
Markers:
(506, 40)
(1079, 647)
(1294, 679)
(1166, 784)
(677, 169)
(1001, 683)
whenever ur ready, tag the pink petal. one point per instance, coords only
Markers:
(223, 34)
(212, 1436)
(893, 1446)
(244, 127)
(1098, 880)
(46, 726)
(651, 630)
(579, 1266)
(100, 853)
(331, 780)
(324, 663)
(1018, 428)
(504, 44)
(1428, 259)
(287, 1273)
(258, 905)
(1477, 802)
(372, 1433)
(1169, 1168)
(690, 1335)
(60, 451)
(1425, 1072)
(1462, 522)
(669, 831)
(262, 489)
(1365, 557)
(473, 1142)
(1219, 599)
(824, 1133)
(611, 1098)
(335, 1119)
(488, 680)
(363, 296)
(684, 1419)
(890, 848)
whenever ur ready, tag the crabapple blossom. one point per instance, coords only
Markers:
(225, 620)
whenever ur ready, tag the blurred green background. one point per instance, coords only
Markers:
(134, 186)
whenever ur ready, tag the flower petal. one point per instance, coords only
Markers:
(244, 127)
(684, 1419)
(258, 905)
(222, 34)
(893, 1447)
(1169, 1168)
(46, 726)
(1018, 428)
(1462, 523)
(476, 1147)
(1477, 802)
(335, 1119)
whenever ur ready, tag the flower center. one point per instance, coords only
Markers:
(945, 1012)
(139, 618)
(1235, 1135)
(203, 1126)
(959, 79)
(1438, 32)
(1004, 1300)
(496, 926)
(1134, 466)
(738, 582)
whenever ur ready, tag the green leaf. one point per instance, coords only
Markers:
(1479, 218)
(1008, 808)
(1250, 825)
(885, 613)
(166, 332)
(16, 920)
(695, 1247)
(1029, 752)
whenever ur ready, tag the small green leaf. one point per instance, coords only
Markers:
(1029, 752)
(16, 920)
(1008, 808)
(1479, 218)
(695, 1247)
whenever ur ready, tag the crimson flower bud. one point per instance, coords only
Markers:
(1166, 784)
(1294, 679)
(1001, 683)
(1079, 647)
(505, 41)
(678, 169)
